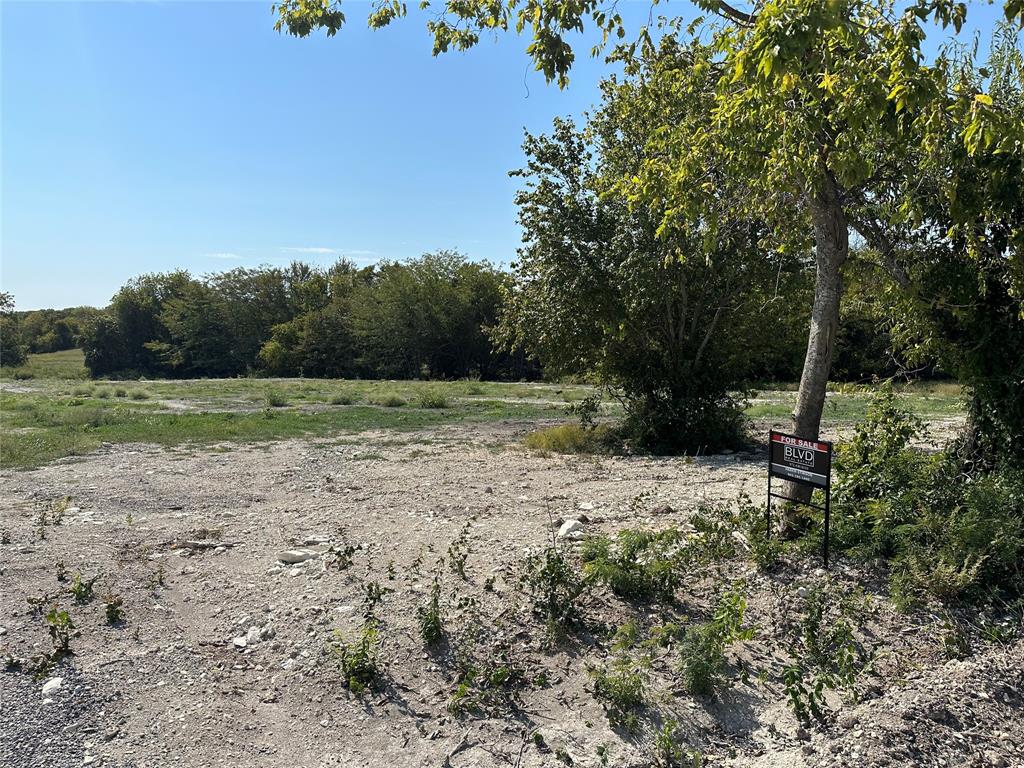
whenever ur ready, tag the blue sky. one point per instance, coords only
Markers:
(150, 136)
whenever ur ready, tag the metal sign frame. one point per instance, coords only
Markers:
(827, 487)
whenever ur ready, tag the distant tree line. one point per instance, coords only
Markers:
(428, 317)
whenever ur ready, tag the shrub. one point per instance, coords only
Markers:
(139, 394)
(61, 629)
(389, 400)
(342, 399)
(950, 530)
(569, 438)
(120, 392)
(103, 393)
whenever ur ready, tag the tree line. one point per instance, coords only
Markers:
(428, 317)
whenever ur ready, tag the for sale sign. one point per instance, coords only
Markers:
(808, 462)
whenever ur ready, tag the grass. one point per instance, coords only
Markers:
(69, 364)
(57, 414)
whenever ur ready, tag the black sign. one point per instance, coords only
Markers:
(808, 462)
(805, 462)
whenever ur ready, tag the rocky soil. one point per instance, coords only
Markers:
(231, 567)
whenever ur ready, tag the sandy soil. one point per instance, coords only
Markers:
(173, 684)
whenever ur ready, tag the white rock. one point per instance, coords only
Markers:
(52, 685)
(300, 555)
(252, 636)
(571, 529)
(239, 642)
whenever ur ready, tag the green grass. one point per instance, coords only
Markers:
(69, 364)
(40, 428)
(50, 416)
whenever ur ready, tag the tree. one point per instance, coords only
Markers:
(818, 106)
(666, 321)
(12, 350)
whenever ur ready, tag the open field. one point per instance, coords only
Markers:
(57, 415)
(185, 501)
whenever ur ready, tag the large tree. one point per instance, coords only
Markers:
(821, 107)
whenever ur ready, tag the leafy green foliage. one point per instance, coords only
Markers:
(827, 655)
(429, 616)
(950, 530)
(638, 564)
(358, 657)
(62, 630)
(702, 652)
(621, 684)
(554, 588)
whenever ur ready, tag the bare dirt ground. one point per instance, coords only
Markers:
(223, 658)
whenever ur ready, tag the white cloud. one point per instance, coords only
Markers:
(308, 249)
(222, 255)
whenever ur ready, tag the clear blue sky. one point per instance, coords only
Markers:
(141, 137)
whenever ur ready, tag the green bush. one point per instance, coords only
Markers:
(949, 530)
(272, 398)
(554, 588)
(389, 400)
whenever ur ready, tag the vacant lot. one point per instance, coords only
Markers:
(184, 506)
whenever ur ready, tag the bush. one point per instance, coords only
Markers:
(342, 399)
(389, 400)
(274, 399)
(950, 531)
(554, 588)
(569, 438)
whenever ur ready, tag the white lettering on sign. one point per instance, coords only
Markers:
(799, 455)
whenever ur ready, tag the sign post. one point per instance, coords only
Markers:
(805, 462)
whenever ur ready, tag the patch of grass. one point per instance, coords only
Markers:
(342, 398)
(272, 398)
(389, 400)
(432, 398)
(569, 438)
(67, 364)
(139, 394)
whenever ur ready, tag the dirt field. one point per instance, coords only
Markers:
(223, 656)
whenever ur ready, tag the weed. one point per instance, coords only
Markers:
(342, 399)
(113, 608)
(389, 400)
(553, 587)
(82, 589)
(61, 629)
(568, 438)
(668, 753)
(103, 393)
(458, 551)
(120, 392)
(342, 556)
(430, 619)
(703, 646)
(58, 510)
(272, 398)
(621, 683)
(139, 394)
(827, 656)
(36, 604)
(158, 577)
(61, 571)
(358, 658)
(639, 564)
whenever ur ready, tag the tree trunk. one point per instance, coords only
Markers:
(831, 248)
